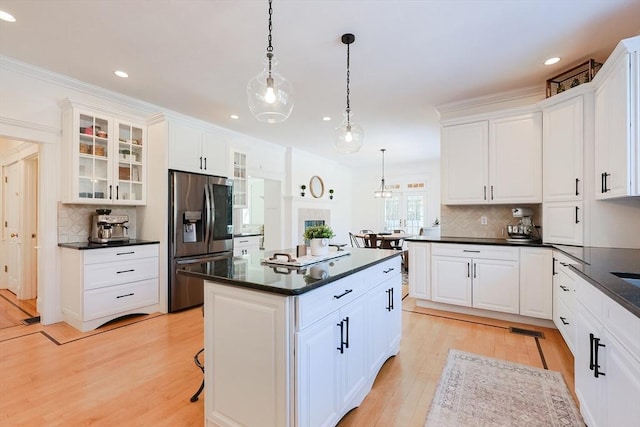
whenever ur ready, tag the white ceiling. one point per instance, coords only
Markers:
(196, 57)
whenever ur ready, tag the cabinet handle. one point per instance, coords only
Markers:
(125, 271)
(468, 270)
(577, 220)
(564, 320)
(341, 326)
(388, 292)
(605, 182)
(200, 162)
(564, 264)
(577, 192)
(205, 163)
(391, 299)
(346, 320)
(125, 295)
(117, 192)
(346, 291)
(484, 192)
(553, 266)
(591, 338)
(110, 192)
(126, 253)
(596, 366)
(388, 270)
(564, 288)
(492, 192)
(469, 250)
(474, 270)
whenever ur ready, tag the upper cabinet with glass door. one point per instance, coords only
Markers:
(103, 159)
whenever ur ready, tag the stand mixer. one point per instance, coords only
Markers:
(525, 230)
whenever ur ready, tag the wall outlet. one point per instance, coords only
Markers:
(483, 220)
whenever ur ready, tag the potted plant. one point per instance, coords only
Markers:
(318, 236)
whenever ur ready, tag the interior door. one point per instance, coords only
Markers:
(11, 218)
(405, 211)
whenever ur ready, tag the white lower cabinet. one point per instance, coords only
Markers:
(536, 287)
(301, 360)
(103, 284)
(485, 277)
(419, 270)
(564, 288)
(607, 362)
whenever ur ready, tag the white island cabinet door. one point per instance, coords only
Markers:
(536, 286)
(496, 285)
(622, 386)
(451, 280)
(317, 372)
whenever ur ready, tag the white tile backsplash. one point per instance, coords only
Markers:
(74, 221)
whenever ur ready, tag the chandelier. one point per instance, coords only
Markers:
(382, 193)
(270, 95)
(348, 135)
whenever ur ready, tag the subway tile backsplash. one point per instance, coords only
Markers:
(465, 220)
(74, 221)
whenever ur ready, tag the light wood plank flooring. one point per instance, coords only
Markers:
(143, 374)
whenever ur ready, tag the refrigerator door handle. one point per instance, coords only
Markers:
(213, 210)
(207, 213)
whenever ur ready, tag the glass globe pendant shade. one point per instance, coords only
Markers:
(348, 136)
(270, 96)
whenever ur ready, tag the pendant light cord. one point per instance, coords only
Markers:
(269, 38)
(348, 78)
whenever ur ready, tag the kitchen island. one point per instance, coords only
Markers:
(298, 346)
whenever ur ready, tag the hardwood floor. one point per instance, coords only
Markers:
(143, 373)
(13, 311)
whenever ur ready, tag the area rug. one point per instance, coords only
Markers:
(480, 391)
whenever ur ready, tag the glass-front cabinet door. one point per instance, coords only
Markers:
(104, 158)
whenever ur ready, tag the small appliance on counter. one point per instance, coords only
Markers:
(525, 230)
(106, 228)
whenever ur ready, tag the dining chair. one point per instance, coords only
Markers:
(355, 241)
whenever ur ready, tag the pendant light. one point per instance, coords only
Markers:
(269, 94)
(348, 135)
(382, 193)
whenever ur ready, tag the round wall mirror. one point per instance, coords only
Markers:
(316, 186)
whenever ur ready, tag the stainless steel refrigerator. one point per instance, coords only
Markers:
(200, 233)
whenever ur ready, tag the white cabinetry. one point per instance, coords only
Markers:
(196, 149)
(564, 304)
(563, 222)
(240, 195)
(246, 245)
(477, 276)
(420, 270)
(318, 353)
(563, 142)
(103, 284)
(493, 161)
(104, 157)
(607, 362)
(536, 288)
(617, 136)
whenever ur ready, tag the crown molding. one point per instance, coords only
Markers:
(142, 107)
(498, 98)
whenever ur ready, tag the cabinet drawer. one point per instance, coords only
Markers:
(316, 304)
(119, 299)
(121, 253)
(378, 273)
(246, 242)
(476, 251)
(113, 273)
(590, 297)
(565, 288)
(565, 319)
(623, 325)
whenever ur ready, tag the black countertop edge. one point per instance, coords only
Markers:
(90, 245)
(282, 291)
(595, 268)
(247, 234)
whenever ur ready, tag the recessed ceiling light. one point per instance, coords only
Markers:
(6, 16)
(120, 73)
(234, 116)
(326, 118)
(552, 61)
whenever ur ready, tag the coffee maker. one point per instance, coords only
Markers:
(525, 230)
(106, 228)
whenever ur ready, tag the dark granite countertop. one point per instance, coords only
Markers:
(91, 245)
(595, 265)
(288, 280)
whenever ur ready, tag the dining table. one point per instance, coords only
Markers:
(388, 240)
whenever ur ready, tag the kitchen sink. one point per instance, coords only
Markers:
(633, 278)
